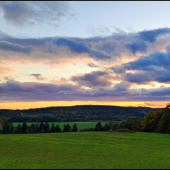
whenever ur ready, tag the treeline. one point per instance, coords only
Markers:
(7, 127)
(154, 121)
(75, 113)
(68, 119)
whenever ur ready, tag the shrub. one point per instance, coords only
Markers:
(115, 126)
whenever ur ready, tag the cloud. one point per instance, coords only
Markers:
(79, 47)
(154, 67)
(34, 12)
(115, 49)
(93, 79)
(151, 35)
(34, 91)
(156, 59)
(92, 65)
(140, 78)
(38, 76)
(60, 81)
(4, 71)
(137, 46)
(14, 47)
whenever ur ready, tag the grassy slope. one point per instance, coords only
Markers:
(85, 150)
(80, 125)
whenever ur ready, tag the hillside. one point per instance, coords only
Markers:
(75, 113)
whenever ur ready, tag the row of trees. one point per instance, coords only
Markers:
(155, 121)
(68, 119)
(8, 127)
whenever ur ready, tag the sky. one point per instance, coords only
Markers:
(75, 53)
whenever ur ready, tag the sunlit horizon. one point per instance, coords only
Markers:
(32, 105)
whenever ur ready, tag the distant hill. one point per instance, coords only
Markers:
(76, 113)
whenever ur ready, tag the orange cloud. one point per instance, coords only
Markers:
(4, 71)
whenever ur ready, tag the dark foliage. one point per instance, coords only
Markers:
(75, 113)
(57, 128)
(75, 128)
(67, 128)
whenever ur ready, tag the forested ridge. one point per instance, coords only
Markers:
(75, 113)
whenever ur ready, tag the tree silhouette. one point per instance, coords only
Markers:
(18, 128)
(67, 128)
(24, 127)
(52, 130)
(57, 128)
(75, 128)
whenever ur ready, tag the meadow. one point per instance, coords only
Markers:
(106, 150)
(80, 125)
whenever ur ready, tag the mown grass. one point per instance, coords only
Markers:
(90, 150)
(80, 125)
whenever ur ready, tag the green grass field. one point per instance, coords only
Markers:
(85, 150)
(80, 125)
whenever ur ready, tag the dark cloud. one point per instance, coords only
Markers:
(156, 59)
(114, 47)
(151, 35)
(154, 67)
(79, 47)
(92, 65)
(93, 79)
(21, 13)
(38, 76)
(140, 46)
(140, 78)
(33, 91)
(15, 47)
(108, 47)
(121, 87)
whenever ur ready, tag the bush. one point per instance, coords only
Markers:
(99, 127)
(115, 126)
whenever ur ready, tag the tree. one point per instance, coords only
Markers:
(11, 127)
(24, 127)
(6, 128)
(3, 120)
(40, 129)
(36, 127)
(98, 127)
(46, 127)
(98, 124)
(115, 126)
(151, 119)
(107, 127)
(164, 122)
(57, 128)
(52, 130)
(31, 128)
(67, 128)
(75, 128)
(18, 128)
